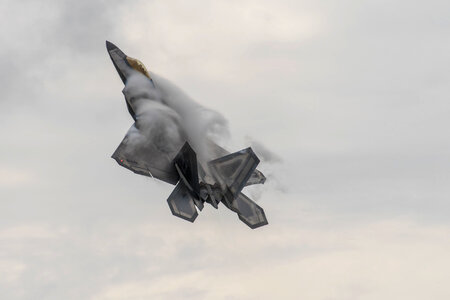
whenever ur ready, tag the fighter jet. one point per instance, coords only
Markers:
(219, 180)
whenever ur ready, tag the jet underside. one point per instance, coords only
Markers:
(220, 180)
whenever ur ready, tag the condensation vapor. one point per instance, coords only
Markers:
(271, 168)
(167, 117)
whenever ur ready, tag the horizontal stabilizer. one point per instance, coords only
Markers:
(234, 170)
(256, 178)
(181, 203)
(249, 212)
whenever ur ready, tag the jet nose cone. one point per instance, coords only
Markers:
(110, 46)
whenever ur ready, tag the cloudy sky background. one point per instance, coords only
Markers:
(352, 95)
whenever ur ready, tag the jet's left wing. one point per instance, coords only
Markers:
(145, 158)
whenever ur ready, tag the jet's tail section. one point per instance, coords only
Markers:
(249, 212)
(231, 174)
(181, 202)
(186, 166)
(185, 196)
(233, 171)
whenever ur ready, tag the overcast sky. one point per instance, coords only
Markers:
(353, 96)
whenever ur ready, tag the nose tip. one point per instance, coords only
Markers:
(110, 46)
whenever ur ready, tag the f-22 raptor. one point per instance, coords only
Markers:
(221, 180)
